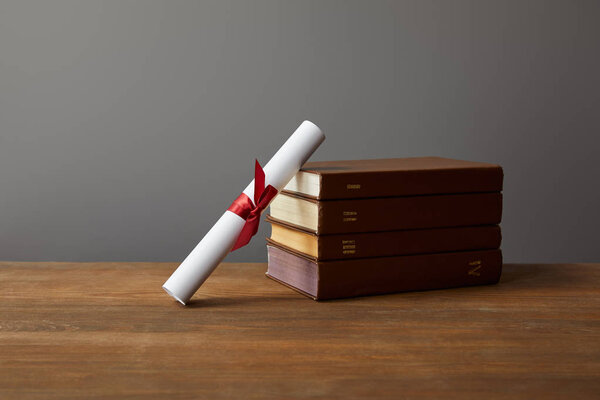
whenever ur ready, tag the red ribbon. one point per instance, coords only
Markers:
(245, 208)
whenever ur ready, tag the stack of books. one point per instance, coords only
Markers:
(365, 227)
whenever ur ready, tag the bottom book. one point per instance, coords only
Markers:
(324, 280)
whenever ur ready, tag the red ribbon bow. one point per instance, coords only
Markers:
(245, 208)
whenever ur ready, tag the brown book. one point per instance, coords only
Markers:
(388, 213)
(379, 244)
(322, 280)
(326, 180)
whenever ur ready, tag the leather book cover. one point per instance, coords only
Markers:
(324, 280)
(411, 212)
(403, 242)
(402, 177)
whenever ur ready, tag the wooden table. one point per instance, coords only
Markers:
(98, 330)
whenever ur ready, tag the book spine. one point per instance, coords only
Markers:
(418, 241)
(414, 212)
(349, 278)
(407, 183)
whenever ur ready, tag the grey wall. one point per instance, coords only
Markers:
(127, 127)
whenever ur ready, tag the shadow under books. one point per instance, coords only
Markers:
(514, 276)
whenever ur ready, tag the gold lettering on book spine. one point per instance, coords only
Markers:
(476, 267)
(348, 246)
(353, 186)
(349, 216)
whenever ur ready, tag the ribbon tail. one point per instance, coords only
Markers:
(250, 228)
(244, 238)
(259, 181)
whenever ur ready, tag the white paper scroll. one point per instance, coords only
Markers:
(217, 243)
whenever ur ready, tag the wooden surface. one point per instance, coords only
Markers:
(103, 330)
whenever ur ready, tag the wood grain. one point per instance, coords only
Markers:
(101, 330)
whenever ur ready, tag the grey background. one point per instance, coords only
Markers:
(127, 127)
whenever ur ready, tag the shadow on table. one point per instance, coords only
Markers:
(234, 301)
(514, 276)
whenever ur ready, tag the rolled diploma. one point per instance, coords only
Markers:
(217, 243)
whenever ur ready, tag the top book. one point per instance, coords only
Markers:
(328, 180)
